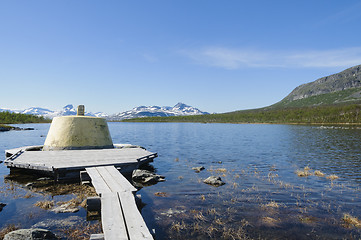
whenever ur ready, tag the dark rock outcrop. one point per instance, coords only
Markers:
(349, 78)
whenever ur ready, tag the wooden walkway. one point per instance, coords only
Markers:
(120, 216)
(61, 162)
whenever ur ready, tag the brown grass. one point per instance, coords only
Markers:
(218, 170)
(44, 204)
(271, 204)
(199, 216)
(28, 195)
(319, 173)
(9, 228)
(82, 231)
(161, 194)
(332, 177)
(178, 226)
(305, 172)
(75, 202)
(351, 221)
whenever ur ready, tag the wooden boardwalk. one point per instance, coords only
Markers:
(62, 162)
(120, 216)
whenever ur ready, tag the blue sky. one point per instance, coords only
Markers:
(219, 56)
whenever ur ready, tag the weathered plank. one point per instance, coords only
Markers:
(113, 223)
(111, 184)
(118, 182)
(98, 182)
(109, 179)
(136, 226)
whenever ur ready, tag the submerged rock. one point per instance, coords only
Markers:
(56, 223)
(214, 181)
(30, 234)
(198, 169)
(2, 205)
(145, 176)
(65, 208)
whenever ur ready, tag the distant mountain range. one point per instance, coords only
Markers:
(180, 109)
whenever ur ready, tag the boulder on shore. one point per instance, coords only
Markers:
(214, 181)
(145, 176)
(30, 234)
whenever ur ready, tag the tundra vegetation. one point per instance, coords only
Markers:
(332, 114)
(8, 118)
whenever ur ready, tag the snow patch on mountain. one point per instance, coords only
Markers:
(180, 109)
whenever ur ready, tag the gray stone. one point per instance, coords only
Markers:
(145, 176)
(198, 169)
(30, 234)
(70, 221)
(214, 181)
(65, 208)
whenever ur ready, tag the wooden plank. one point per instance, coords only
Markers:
(112, 218)
(120, 179)
(113, 185)
(137, 229)
(97, 181)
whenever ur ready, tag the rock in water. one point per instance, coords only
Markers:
(198, 169)
(65, 208)
(30, 234)
(2, 205)
(214, 181)
(145, 176)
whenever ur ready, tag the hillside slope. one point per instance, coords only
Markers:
(332, 99)
(339, 88)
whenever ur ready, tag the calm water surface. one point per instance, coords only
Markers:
(263, 197)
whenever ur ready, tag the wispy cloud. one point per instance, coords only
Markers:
(228, 58)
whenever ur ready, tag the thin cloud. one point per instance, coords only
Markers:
(228, 58)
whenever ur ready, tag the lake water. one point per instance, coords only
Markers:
(263, 198)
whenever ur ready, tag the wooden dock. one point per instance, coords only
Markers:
(120, 216)
(61, 163)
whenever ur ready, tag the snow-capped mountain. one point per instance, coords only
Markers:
(46, 113)
(36, 111)
(151, 111)
(180, 109)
